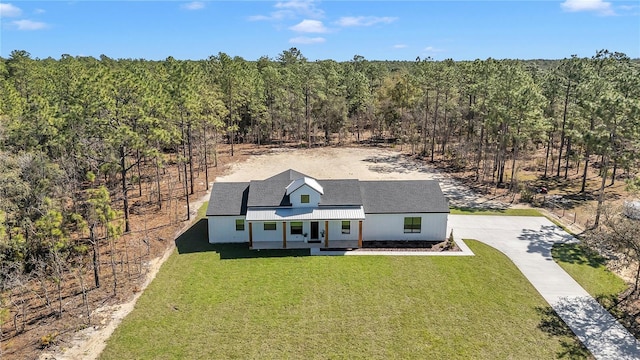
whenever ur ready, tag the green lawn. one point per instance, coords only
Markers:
(589, 270)
(226, 301)
(503, 212)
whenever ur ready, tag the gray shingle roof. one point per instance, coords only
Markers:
(271, 191)
(377, 197)
(340, 192)
(228, 198)
(403, 196)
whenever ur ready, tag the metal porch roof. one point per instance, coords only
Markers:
(294, 214)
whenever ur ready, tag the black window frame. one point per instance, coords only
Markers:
(272, 226)
(412, 224)
(239, 224)
(347, 229)
(304, 197)
(297, 231)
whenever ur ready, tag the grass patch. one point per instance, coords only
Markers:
(589, 270)
(202, 211)
(503, 212)
(226, 301)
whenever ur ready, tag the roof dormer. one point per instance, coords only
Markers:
(312, 183)
(304, 192)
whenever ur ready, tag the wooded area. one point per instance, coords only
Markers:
(80, 137)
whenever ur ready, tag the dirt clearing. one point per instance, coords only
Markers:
(355, 163)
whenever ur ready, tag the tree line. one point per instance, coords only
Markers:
(79, 135)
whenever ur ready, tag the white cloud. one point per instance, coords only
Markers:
(364, 20)
(291, 10)
(599, 6)
(309, 26)
(431, 49)
(306, 40)
(399, 46)
(8, 10)
(194, 5)
(39, 11)
(628, 7)
(302, 7)
(29, 25)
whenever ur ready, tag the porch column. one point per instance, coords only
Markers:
(360, 233)
(326, 233)
(250, 235)
(284, 234)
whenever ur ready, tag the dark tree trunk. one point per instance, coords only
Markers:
(435, 122)
(546, 158)
(125, 197)
(95, 257)
(190, 158)
(564, 123)
(206, 158)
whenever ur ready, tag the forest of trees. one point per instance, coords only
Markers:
(80, 135)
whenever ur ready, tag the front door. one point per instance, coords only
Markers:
(314, 230)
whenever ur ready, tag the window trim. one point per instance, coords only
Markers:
(412, 224)
(291, 228)
(304, 197)
(239, 224)
(347, 229)
(272, 226)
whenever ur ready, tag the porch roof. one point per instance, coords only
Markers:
(296, 214)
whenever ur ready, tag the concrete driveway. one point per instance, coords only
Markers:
(527, 241)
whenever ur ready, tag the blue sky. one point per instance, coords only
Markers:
(377, 30)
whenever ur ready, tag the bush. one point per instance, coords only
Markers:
(526, 195)
(48, 340)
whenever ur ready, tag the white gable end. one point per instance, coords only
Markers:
(304, 196)
(312, 183)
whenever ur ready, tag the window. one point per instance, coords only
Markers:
(296, 227)
(270, 226)
(304, 199)
(239, 225)
(412, 224)
(346, 227)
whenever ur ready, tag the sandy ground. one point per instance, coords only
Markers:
(321, 163)
(354, 163)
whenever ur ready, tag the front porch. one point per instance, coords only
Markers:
(334, 244)
(334, 234)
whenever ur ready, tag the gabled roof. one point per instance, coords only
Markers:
(305, 180)
(376, 197)
(403, 196)
(271, 191)
(340, 192)
(228, 198)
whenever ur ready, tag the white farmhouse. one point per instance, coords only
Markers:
(293, 210)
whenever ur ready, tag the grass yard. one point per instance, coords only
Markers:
(502, 212)
(589, 270)
(226, 301)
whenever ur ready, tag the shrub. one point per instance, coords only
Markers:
(48, 340)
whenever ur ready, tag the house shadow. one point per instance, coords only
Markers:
(195, 240)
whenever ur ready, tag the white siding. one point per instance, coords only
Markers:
(306, 229)
(222, 229)
(314, 196)
(391, 227)
(335, 230)
(260, 234)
